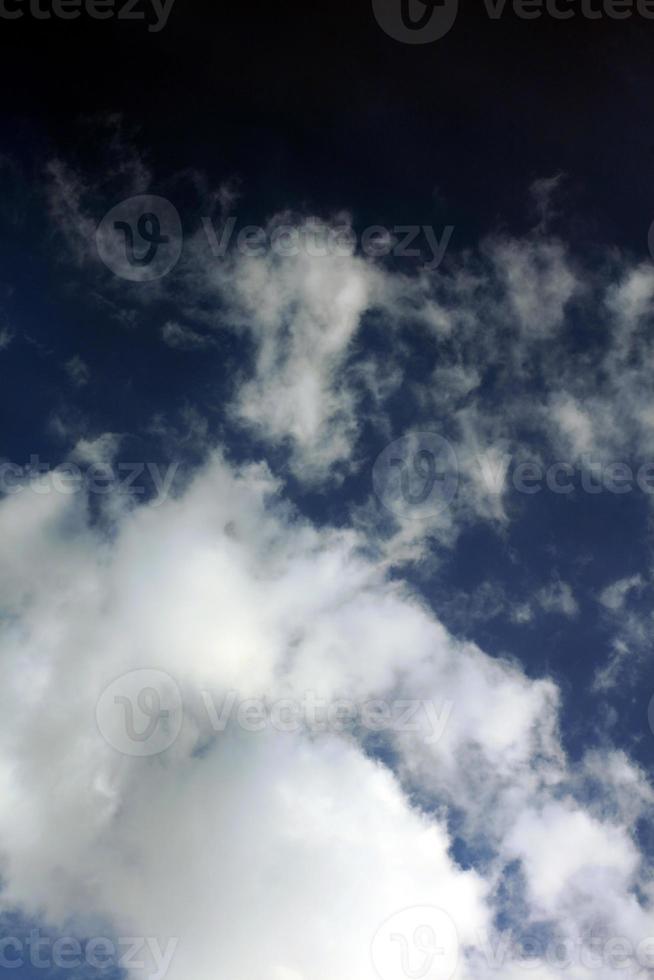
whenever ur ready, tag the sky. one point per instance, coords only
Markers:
(326, 490)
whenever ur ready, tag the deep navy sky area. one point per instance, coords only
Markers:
(319, 105)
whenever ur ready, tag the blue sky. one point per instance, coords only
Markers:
(326, 624)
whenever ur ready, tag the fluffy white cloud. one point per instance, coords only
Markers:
(264, 851)
(303, 313)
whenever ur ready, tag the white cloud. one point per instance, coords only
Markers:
(566, 854)
(539, 280)
(300, 840)
(78, 371)
(558, 598)
(100, 451)
(303, 314)
(179, 336)
(574, 423)
(522, 613)
(614, 596)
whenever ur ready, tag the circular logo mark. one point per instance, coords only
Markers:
(417, 475)
(140, 713)
(415, 21)
(650, 714)
(419, 943)
(140, 239)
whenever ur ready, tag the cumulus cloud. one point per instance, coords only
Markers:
(294, 837)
